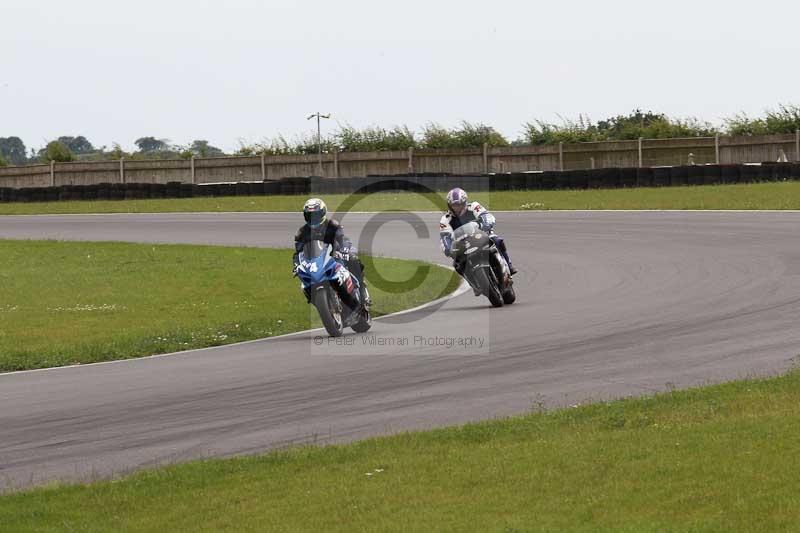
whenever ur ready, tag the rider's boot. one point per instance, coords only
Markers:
(501, 247)
(350, 303)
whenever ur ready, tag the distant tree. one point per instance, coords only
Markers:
(3, 162)
(201, 148)
(374, 139)
(300, 145)
(151, 145)
(117, 152)
(77, 145)
(467, 135)
(56, 151)
(540, 132)
(13, 150)
(785, 119)
(651, 126)
(622, 127)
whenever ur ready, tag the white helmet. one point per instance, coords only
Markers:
(457, 201)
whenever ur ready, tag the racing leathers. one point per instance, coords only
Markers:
(331, 232)
(474, 212)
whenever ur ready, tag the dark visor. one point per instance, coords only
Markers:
(314, 218)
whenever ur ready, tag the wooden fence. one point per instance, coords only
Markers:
(485, 160)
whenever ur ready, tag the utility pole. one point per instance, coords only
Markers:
(319, 135)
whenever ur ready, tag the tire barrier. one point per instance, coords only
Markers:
(750, 173)
(533, 181)
(644, 177)
(783, 171)
(712, 174)
(696, 175)
(577, 179)
(731, 174)
(627, 177)
(678, 176)
(661, 177)
(602, 178)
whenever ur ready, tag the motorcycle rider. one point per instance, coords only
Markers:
(460, 212)
(319, 227)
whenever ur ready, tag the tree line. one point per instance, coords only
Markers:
(638, 123)
(68, 148)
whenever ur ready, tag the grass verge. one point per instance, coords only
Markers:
(720, 458)
(81, 302)
(777, 196)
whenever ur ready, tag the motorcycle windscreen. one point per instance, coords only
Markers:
(314, 249)
(467, 229)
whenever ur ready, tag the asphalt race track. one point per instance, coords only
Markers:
(609, 304)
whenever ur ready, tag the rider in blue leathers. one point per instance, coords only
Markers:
(319, 227)
(460, 212)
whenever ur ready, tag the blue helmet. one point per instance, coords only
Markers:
(315, 212)
(457, 201)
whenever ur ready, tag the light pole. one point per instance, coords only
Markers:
(319, 135)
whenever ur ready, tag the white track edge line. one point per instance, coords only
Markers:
(461, 289)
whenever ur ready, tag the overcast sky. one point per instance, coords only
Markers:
(246, 69)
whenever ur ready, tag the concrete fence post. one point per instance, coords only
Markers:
(411, 160)
(263, 168)
(797, 145)
(561, 156)
(52, 173)
(335, 161)
(122, 170)
(716, 147)
(485, 158)
(194, 174)
(641, 155)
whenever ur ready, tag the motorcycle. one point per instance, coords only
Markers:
(484, 267)
(325, 283)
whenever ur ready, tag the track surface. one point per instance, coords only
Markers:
(610, 304)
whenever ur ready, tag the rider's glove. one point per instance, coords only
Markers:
(487, 221)
(294, 270)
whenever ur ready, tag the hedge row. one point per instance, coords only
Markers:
(606, 178)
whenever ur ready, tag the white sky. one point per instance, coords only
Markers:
(246, 69)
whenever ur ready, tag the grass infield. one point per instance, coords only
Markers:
(778, 196)
(81, 302)
(720, 458)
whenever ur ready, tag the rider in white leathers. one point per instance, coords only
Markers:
(461, 212)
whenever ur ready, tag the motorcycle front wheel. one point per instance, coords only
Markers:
(330, 311)
(485, 280)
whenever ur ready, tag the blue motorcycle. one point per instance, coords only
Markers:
(327, 283)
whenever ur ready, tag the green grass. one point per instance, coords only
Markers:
(721, 458)
(82, 302)
(784, 195)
